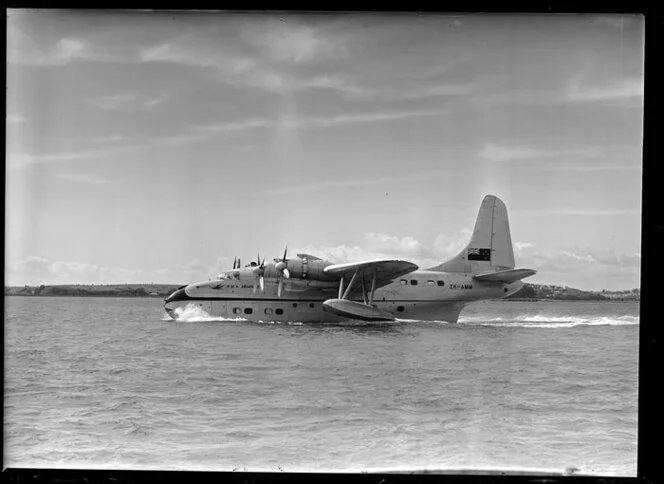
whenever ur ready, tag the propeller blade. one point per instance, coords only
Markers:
(239, 264)
(280, 287)
(286, 273)
(254, 286)
(285, 253)
(260, 282)
(234, 261)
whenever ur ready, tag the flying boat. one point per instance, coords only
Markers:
(307, 288)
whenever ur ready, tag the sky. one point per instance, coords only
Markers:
(155, 147)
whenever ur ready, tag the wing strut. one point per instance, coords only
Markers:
(350, 284)
(367, 296)
(373, 287)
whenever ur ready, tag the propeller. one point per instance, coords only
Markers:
(282, 269)
(259, 270)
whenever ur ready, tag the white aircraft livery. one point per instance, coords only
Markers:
(309, 289)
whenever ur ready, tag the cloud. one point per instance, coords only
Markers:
(117, 101)
(592, 212)
(16, 119)
(124, 101)
(68, 49)
(385, 246)
(38, 270)
(520, 246)
(580, 264)
(625, 88)
(84, 178)
(114, 138)
(317, 121)
(406, 246)
(24, 49)
(348, 183)
(614, 21)
(35, 270)
(23, 159)
(448, 246)
(293, 42)
(495, 152)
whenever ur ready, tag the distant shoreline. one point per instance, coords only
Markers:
(528, 293)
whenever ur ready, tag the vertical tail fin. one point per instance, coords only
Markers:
(490, 247)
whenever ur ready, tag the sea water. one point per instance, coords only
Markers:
(114, 383)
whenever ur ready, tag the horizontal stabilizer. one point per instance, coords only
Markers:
(356, 310)
(506, 277)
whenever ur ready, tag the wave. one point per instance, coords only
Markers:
(195, 314)
(545, 321)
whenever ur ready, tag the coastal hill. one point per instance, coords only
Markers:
(98, 290)
(529, 292)
(565, 293)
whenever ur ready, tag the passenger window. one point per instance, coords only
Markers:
(294, 305)
(268, 310)
(279, 311)
(311, 305)
(441, 283)
(431, 283)
(400, 309)
(248, 310)
(236, 310)
(413, 282)
(404, 282)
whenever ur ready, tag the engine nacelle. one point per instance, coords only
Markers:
(309, 269)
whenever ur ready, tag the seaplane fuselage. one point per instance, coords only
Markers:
(419, 295)
(309, 289)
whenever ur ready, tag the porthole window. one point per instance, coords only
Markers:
(413, 282)
(431, 283)
(268, 310)
(248, 310)
(279, 311)
(294, 305)
(505, 289)
(236, 311)
(400, 309)
(403, 282)
(311, 305)
(441, 283)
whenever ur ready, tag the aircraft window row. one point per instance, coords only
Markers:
(267, 310)
(414, 282)
(250, 310)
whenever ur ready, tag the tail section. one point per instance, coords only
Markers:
(490, 247)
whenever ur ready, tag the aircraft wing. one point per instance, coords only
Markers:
(506, 277)
(386, 271)
(308, 257)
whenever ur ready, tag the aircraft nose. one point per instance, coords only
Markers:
(178, 295)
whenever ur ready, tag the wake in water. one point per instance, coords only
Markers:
(544, 321)
(195, 314)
